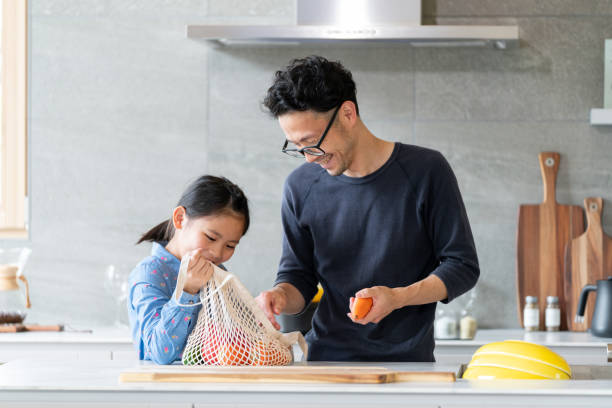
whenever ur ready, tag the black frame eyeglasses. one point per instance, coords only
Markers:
(314, 150)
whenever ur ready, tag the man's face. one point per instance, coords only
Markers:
(305, 129)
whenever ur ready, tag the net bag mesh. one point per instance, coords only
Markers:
(232, 329)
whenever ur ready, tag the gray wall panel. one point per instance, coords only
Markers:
(126, 111)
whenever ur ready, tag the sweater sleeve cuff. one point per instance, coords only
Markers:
(304, 288)
(186, 299)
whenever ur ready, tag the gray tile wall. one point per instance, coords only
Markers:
(126, 111)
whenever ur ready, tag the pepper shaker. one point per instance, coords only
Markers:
(531, 314)
(553, 314)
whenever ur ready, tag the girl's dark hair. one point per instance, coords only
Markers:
(207, 195)
(311, 83)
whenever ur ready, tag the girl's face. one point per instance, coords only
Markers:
(218, 235)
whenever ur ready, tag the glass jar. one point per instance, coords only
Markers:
(467, 324)
(445, 325)
(14, 288)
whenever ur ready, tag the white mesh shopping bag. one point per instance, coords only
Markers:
(232, 329)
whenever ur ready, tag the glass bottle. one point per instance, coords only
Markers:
(467, 324)
(531, 314)
(553, 314)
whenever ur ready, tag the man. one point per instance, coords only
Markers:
(365, 218)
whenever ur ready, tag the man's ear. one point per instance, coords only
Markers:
(348, 114)
(179, 217)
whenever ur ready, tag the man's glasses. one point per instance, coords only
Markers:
(314, 150)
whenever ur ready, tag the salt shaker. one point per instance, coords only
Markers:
(553, 314)
(531, 314)
(445, 326)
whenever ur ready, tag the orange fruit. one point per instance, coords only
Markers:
(233, 354)
(262, 354)
(361, 307)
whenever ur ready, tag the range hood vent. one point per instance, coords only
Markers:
(357, 21)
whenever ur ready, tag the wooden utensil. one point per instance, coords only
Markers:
(543, 231)
(14, 328)
(288, 374)
(588, 258)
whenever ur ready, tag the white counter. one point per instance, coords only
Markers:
(575, 347)
(95, 383)
(110, 343)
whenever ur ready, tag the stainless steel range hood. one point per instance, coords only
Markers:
(356, 21)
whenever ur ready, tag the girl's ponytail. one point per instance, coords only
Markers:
(161, 232)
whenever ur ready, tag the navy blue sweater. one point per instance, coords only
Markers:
(390, 228)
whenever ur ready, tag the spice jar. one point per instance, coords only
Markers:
(552, 314)
(531, 314)
(467, 324)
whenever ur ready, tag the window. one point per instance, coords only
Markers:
(13, 122)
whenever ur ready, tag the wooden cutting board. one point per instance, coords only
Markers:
(14, 328)
(543, 232)
(286, 374)
(588, 259)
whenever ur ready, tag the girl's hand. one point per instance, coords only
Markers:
(272, 302)
(199, 272)
(384, 301)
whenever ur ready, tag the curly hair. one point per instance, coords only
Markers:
(310, 83)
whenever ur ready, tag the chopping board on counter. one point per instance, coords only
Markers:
(543, 232)
(282, 374)
(588, 258)
(14, 328)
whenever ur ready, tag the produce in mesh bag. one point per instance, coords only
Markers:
(232, 329)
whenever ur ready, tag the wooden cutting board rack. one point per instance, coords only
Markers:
(285, 374)
(543, 231)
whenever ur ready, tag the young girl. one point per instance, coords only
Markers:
(207, 223)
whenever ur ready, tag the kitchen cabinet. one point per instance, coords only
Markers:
(106, 343)
(601, 117)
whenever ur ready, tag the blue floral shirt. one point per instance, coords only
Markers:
(160, 326)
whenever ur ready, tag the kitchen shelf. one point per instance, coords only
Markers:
(601, 117)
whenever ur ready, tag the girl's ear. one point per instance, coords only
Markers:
(178, 217)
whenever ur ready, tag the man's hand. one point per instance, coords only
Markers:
(384, 301)
(272, 302)
(199, 272)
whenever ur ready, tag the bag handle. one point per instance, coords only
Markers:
(289, 339)
(180, 282)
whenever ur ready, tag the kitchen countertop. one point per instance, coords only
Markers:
(559, 338)
(122, 335)
(82, 382)
(575, 347)
(116, 343)
(118, 335)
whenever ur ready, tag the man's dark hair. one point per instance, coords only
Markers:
(311, 83)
